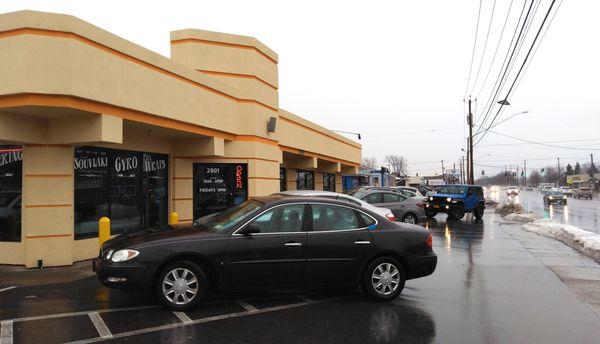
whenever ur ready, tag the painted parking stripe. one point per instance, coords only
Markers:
(100, 325)
(7, 289)
(6, 332)
(183, 317)
(194, 322)
(304, 298)
(247, 306)
(74, 314)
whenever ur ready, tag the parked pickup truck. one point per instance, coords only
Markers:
(583, 192)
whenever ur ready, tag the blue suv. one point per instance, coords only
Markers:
(456, 200)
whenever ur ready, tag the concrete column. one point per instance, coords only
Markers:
(47, 217)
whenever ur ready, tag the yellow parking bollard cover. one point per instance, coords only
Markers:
(103, 229)
(173, 218)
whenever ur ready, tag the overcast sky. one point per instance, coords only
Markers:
(394, 69)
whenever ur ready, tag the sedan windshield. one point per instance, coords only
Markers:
(555, 193)
(451, 189)
(229, 218)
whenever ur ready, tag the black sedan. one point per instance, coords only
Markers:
(271, 243)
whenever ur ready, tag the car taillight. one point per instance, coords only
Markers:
(422, 205)
(429, 242)
(391, 217)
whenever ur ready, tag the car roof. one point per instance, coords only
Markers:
(307, 192)
(283, 198)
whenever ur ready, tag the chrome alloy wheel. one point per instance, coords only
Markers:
(410, 219)
(180, 286)
(385, 278)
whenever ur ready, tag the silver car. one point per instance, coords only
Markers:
(405, 209)
(341, 197)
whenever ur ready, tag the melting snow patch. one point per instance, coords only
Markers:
(581, 240)
(527, 217)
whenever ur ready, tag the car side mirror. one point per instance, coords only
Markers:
(252, 228)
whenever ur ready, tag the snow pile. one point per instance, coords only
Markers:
(509, 207)
(526, 217)
(586, 242)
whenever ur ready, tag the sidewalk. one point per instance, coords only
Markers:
(580, 273)
(20, 276)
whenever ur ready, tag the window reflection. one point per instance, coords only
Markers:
(11, 171)
(128, 187)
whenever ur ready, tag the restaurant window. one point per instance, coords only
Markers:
(128, 187)
(329, 182)
(282, 179)
(11, 171)
(305, 180)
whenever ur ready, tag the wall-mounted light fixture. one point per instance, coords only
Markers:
(271, 124)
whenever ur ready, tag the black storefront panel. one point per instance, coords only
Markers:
(131, 188)
(218, 187)
(11, 184)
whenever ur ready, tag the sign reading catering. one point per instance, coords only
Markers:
(9, 156)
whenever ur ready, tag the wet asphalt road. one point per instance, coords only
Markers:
(487, 289)
(582, 213)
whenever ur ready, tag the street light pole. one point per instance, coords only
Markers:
(471, 175)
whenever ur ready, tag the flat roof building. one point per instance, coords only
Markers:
(93, 125)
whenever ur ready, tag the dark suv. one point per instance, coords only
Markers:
(456, 200)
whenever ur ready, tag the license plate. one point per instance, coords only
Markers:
(436, 206)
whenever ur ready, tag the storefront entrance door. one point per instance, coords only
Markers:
(218, 187)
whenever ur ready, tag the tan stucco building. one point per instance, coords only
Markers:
(93, 125)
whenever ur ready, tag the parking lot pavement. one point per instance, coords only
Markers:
(487, 288)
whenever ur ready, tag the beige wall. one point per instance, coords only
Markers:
(66, 83)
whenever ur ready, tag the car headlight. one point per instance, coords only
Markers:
(448, 199)
(551, 197)
(564, 197)
(430, 198)
(123, 255)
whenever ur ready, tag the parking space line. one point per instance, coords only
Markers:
(7, 289)
(183, 317)
(100, 325)
(197, 321)
(74, 314)
(247, 306)
(6, 332)
(304, 298)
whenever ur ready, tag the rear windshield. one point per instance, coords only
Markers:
(451, 189)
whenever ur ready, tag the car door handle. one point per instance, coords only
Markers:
(293, 244)
(362, 242)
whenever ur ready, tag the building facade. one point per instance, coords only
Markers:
(93, 125)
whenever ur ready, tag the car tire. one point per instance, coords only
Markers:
(382, 276)
(478, 212)
(410, 218)
(456, 213)
(430, 214)
(178, 275)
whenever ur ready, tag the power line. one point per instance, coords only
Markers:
(502, 67)
(511, 61)
(474, 46)
(521, 68)
(517, 144)
(487, 36)
(541, 143)
(415, 132)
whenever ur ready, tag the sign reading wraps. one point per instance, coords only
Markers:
(218, 187)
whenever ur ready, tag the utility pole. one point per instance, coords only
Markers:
(525, 173)
(468, 165)
(506, 174)
(462, 161)
(559, 174)
(453, 172)
(471, 175)
(443, 177)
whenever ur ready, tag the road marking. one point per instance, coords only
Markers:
(74, 314)
(6, 332)
(183, 317)
(6, 289)
(247, 306)
(100, 325)
(195, 322)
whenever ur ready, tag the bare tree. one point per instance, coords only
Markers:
(534, 178)
(398, 164)
(369, 162)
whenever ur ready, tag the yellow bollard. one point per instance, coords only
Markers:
(103, 229)
(173, 218)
